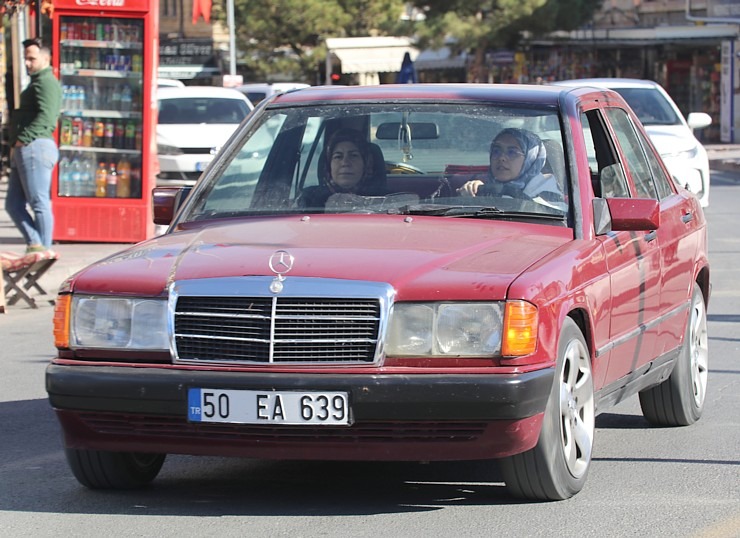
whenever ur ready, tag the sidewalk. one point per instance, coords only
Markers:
(75, 256)
(724, 157)
(72, 256)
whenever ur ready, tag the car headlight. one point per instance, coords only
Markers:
(688, 154)
(166, 149)
(111, 323)
(462, 329)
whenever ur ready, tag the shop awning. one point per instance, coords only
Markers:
(441, 58)
(642, 36)
(371, 54)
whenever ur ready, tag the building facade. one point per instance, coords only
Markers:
(192, 45)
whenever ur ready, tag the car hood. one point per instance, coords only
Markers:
(469, 259)
(195, 135)
(670, 140)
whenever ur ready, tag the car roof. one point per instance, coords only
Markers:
(514, 93)
(170, 83)
(201, 91)
(609, 83)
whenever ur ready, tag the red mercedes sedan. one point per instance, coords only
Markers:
(411, 272)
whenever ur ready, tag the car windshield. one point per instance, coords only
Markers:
(408, 158)
(650, 106)
(196, 110)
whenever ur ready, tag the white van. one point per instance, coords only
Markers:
(258, 92)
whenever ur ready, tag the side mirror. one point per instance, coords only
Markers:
(166, 201)
(699, 120)
(626, 214)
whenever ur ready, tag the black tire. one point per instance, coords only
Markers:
(556, 468)
(113, 470)
(679, 400)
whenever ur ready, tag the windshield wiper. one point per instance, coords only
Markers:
(475, 212)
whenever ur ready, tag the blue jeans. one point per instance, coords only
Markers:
(30, 184)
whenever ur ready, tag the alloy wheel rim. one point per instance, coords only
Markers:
(577, 417)
(698, 349)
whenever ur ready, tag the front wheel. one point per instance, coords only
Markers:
(556, 468)
(113, 470)
(679, 400)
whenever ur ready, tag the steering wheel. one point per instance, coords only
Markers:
(401, 168)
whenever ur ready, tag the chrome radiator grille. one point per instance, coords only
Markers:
(276, 329)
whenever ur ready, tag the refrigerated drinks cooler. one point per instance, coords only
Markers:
(106, 56)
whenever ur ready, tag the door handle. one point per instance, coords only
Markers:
(650, 236)
(687, 217)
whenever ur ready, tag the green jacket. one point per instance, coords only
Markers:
(40, 106)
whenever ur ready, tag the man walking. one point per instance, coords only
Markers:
(34, 152)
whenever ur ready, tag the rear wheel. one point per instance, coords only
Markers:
(679, 400)
(113, 470)
(557, 466)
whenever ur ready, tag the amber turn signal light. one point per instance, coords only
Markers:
(61, 321)
(520, 329)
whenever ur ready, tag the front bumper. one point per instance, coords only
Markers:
(396, 416)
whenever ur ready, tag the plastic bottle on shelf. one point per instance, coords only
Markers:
(138, 137)
(99, 133)
(75, 180)
(87, 178)
(65, 134)
(77, 131)
(101, 180)
(64, 174)
(87, 133)
(130, 135)
(109, 131)
(123, 187)
(111, 181)
(126, 98)
(65, 97)
(90, 96)
(119, 134)
(135, 180)
(116, 97)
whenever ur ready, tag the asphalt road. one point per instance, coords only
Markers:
(644, 481)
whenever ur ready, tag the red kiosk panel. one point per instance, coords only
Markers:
(105, 54)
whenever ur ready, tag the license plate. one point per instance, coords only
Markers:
(268, 407)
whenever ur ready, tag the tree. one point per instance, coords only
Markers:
(482, 25)
(286, 37)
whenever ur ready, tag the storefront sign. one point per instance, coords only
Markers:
(186, 52)
(723, 9)
(105, 5)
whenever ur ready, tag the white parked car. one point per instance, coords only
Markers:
(193, 123)
(671, 133)
(260, 91)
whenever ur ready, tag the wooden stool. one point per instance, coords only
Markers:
(21, 275)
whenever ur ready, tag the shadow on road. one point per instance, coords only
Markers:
(36, 478)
